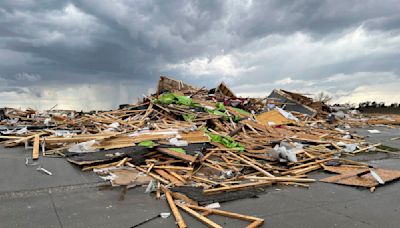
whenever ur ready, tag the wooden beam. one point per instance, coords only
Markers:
(153, 175)
(175, 154)
(183, 197)
(282, 179)
(251, 164)
(178, 217)
(169, 177)
(36, 144)
(256, 222)
(237, 187)
(200, 217)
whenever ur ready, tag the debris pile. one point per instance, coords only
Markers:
(199, 146)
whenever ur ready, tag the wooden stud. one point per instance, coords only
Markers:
(251, 164)
(200, 217)
(36, 144)
(178, 217)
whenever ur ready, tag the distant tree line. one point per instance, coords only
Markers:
(373, 104)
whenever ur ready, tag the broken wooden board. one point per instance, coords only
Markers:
(175, 154)
(195, 137)
(169, 84)
(178, 217)
(254, 221)
(36, 144)
(225, 90)
(77, 139)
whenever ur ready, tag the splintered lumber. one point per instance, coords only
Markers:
(251, 164)
(237, 187)
(169, 177)
(100, 166)
(153, 175)
(183, 197)
(178, 217)
(36, 144)
(122, 162)
(306, 170)
(311, 163)
(282, 179)
(10, 137)
(255, 222)
(16, 142)
(367, 148)
(77, 139)
(175, 154)
(200, 217)
(173, 167)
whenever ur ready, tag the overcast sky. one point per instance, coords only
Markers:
(94, 54)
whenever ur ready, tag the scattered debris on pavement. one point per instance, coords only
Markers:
(200, 146)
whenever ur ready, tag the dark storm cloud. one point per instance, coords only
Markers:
(110, 45)
(314, 16)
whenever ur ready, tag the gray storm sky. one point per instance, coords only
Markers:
(94, 54)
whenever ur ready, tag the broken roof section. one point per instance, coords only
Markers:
(298, 103)
(169, 84)
(225, 90)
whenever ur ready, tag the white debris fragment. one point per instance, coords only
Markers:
(22, 131)
(213, 205)
(176, 142)
(83, 147)
(286, 114)
(377, 177)
(165, 214)
(374, 131)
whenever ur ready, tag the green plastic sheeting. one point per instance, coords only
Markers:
(172, 98)
(241, 111)
(220, 106)
(228, 142)
(179, 150)
(148, 144)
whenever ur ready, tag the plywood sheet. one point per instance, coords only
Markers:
(273, 117)
(366, 180)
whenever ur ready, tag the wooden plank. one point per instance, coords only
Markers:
(255, 222)
(178, 217)
(36, 144)
(183, 197)
(365, 149)
(200, 217)
(237, 187)
(282, 179)
(251, 164)
(12, 143)
(153, 175)
(173, 167)
(169, 177)
(306, 170)
(177, 154)
(310, 164)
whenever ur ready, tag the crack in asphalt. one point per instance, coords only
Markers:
(55, 209)
(56, 189)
